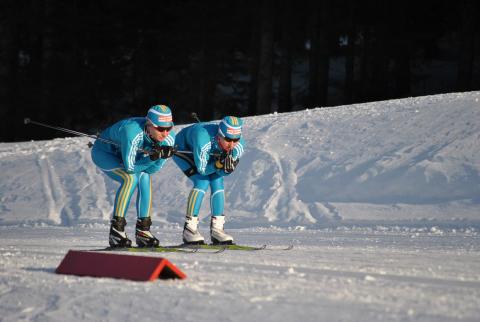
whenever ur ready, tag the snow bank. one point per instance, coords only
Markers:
(409, 160)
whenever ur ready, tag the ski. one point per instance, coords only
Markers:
(192, 248)
(158, 249)
(221, 248)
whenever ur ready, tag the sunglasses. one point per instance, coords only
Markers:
(163, 129)
(231, 140)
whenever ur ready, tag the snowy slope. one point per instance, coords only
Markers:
(381, 202)
(411, 159)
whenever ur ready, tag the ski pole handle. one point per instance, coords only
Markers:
(195, 116)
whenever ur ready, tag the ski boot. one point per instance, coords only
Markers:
(217, 234)
(191, 235)
(118, 237)
(143, 236)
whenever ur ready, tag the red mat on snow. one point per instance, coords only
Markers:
(130, 267)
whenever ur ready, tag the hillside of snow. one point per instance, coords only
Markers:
(380, 201)
(407, 161)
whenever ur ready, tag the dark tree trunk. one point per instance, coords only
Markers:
(285, 81)
(350, 54)
(324, 54)
(253, 63)
(265, 71)
(363, 77)
(466, 46)
(36, 52)
(70, 78)
(379, 66)
(207, 86)
(8, 67)
(319, 54)
(139, 72)
(401, 48)
(49, 64)
(402, 72)
(207, 73)
(375, 64)
(313, 61)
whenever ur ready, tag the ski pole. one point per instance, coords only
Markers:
(96, 137)
(90, 144)
(177, 152)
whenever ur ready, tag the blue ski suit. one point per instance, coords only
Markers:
(127, 165)
(201, 139)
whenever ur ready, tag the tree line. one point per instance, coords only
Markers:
(84, 64)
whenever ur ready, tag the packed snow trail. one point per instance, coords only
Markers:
(345, 274)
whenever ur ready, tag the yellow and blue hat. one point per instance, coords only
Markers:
(160, 115)
(230, 127)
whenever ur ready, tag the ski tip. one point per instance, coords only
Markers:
(26, 120)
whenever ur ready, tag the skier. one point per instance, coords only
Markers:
(143, 146)
(216, 151)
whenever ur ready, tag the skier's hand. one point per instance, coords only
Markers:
(220, 160)
(163, 152)
(154, 155)
(229, 164)
(167, 152)
(218, 164)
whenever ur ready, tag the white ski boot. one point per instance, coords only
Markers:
(191, 235)
(217, 234)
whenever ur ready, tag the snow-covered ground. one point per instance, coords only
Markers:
(380, 200)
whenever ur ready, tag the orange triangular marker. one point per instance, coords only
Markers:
(130, 267)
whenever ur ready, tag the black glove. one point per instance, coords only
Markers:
(163, 151)
(229, 164)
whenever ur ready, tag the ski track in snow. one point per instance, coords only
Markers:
(50, 187)
(101, 203)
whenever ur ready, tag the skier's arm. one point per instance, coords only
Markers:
(238, 150)
(129, 148)
(201, 151)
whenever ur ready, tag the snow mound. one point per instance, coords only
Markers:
(412, 161)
